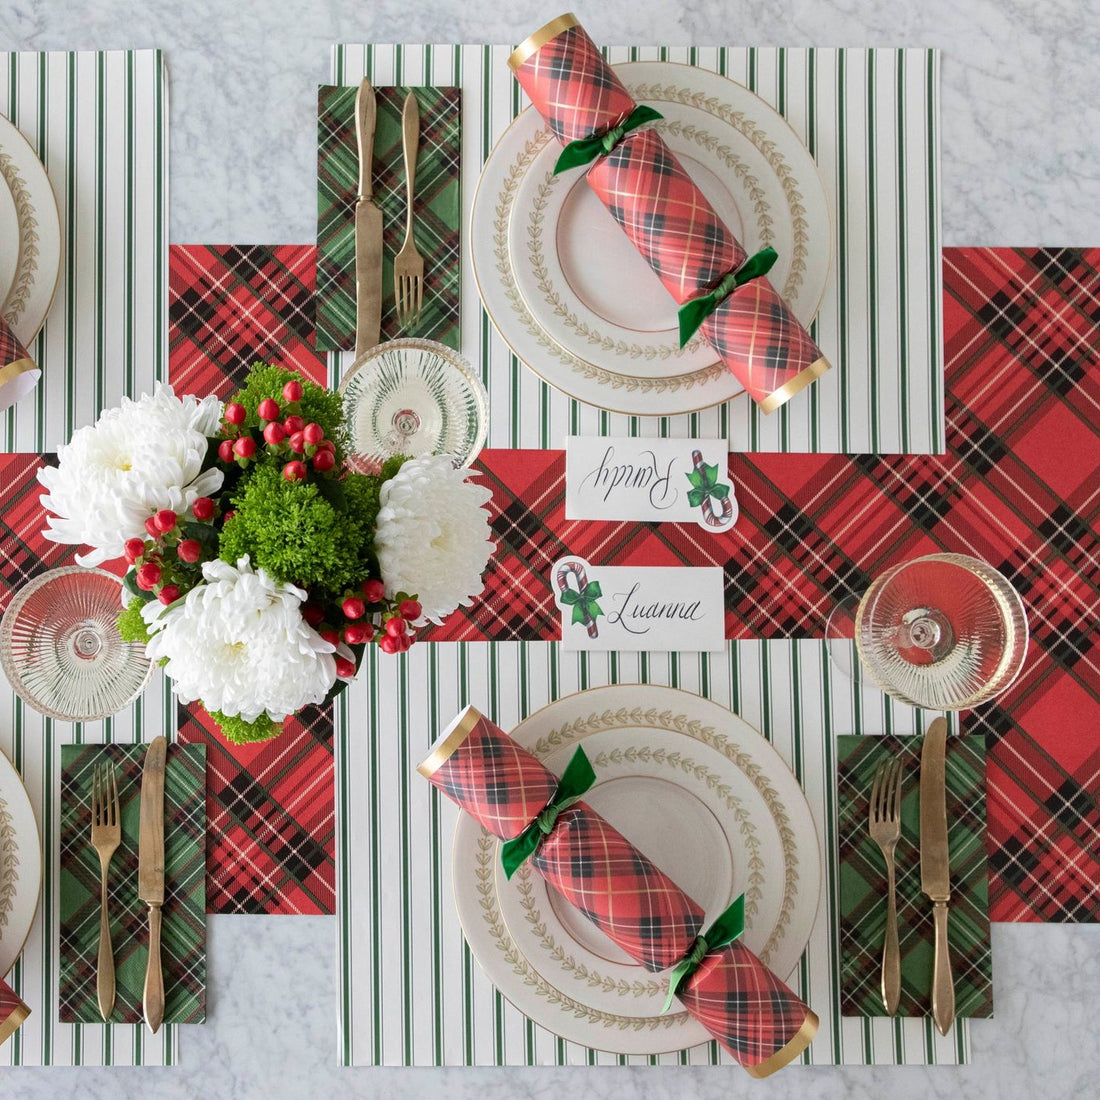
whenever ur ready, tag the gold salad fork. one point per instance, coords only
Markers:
(885, 829)
(106, 835)
(408, 264)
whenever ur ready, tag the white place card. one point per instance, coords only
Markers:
(663, 480)
(640, 608)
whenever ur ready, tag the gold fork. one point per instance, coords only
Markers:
(408, 264)
(106, 835)
(885, 829)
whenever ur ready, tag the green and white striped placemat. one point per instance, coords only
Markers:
(411, 993)
(99, 121)
(871, 120)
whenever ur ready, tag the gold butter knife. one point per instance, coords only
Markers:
(151, 874)
(368, 229)
(935, 866)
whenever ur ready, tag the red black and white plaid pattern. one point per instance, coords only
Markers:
(1018, 487)
(635, 904)
(11, 350)
(573, 87)
(667, 218)
(744, 1005)
(231, 305)
(495, 781)
(270, 812)
(12, 1011)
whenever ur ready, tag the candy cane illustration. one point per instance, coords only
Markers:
(707, 489)
(582, 598)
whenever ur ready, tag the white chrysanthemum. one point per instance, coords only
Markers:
(433, 535)
(136, 459)
(239, 643)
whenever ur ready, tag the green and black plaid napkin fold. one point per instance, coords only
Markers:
(437, 207)
(183, 933)
(863, 880)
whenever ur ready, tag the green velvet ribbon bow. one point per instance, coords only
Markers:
(584, 150)
(705, 484)
(577, 778)
(583, 602)
(724, 930)
(696, 310)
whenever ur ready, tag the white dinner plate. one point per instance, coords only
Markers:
(34, 253)
(707, 799)
(572, 298)
(20, 865)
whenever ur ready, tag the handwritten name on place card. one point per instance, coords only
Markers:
(667, 480)
(651, 608)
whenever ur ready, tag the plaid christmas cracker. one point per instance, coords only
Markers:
(437, 207)
(15, 360)
(271, 816)
(183, 933)
(231, 305)
(1018, 487)
(863, 880)
(12, 1012)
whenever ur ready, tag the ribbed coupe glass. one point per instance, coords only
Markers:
(61, 649)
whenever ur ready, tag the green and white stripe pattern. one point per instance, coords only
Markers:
(99, 123)
(410, 991)
(871, 120)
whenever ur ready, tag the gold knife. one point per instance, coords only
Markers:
(935, 866)
(368, 229)
(151, 874)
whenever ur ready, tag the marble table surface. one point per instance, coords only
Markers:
(1021, 165)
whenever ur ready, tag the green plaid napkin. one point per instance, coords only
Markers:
(183, 933)
(438, 211)
(863, 880)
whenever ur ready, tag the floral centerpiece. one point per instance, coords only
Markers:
(260, 566)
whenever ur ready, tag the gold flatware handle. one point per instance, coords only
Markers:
(943, 985)
(366, 116)
(105, 966)
(410, 142)
(891, 956)
(153, 997)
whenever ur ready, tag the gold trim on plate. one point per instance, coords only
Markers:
(533, 43)
(791, 1051)
(796, 385)
(449, 740)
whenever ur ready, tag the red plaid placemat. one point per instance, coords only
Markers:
(270, 808)
(1019, 487)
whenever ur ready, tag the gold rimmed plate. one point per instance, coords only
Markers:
(707, 799)
(20, 865)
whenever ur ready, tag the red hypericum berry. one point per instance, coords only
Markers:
(297, 443)
(189, 550)
(292, 391)
(409, 609)
(358, 633)
(169, 594)
(331, 636)
(268, 409)
(353, 608)
(245, 447)
(133, 549)
(314, 433)
(148, 576)
(152, 528)
(225, 450)
(294, 471)
(313, 614)
(203, 508)
(165, 520)
(388, 644)
(404, 641)
(395, 627)
(328, 445)
(374, 591)
(324, 461)
(229, 515)
(345, 669)
(293, 424)
(235, 413)
(274, 434)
